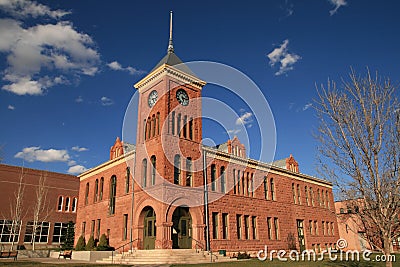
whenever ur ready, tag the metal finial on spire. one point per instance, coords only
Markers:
(170, 44)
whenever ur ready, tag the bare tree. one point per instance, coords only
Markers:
(16, 209)
(41, 209)
(359, 145)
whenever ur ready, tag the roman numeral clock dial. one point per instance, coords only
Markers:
(153, 96)
(182, 97)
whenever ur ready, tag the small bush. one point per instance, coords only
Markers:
(103, 244)
(90, 245)
(243, 255)
(81, 244)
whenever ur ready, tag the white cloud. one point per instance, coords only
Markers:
(337, 4)
(77, 169)
(11, 107)
(115, 65)
(246, 118)
(23, 8)
(79, 99)
(281, 56)
(32, 154)
(105, 101)
(56, 49)
(307, 106)
(79, 149)
(234, 131)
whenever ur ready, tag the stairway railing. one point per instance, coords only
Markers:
(123, 249)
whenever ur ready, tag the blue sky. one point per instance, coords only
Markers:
(68, 67)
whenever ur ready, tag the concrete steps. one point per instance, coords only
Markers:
(165, 256)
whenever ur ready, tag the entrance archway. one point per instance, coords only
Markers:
(181, 234)
(149, 231)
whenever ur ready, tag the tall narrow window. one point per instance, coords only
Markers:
(254, 227)
(178, 124)
(125, 225)
(269, 225)
(310, 223)
(323, 227)
(222, 178)
(312, 196)
(225, 225)
(96, 190)
(148, 133)
(239, 226)
(238, 182)
(74, 204)
(234, 181)
(294, 194)
(272, 184)
(246, 188)
(189, 177)
(60, 203)
(252, 185)
(158, 123)
(144, 173)
(83, 229)
(177, 169)
(276, 225)
(319, 197)
(322, 198)
(306, 195)
(327, 200)
(67, 204)
(153, 126)
(243, 184)
(127, 180)
(316, 227)
(144, 129)
(266, 187)
(213, 177)
(113, 191)
(173, 123)
(92, 228)
(191, 129)
(246, 227)
(215, 225)
(87, 194)
(98, 229)
(184, 126)
(153, 169)
(101, 188)
(298, 194)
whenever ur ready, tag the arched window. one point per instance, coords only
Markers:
(67, 203)
(188, 172)
(238, 182)
(223, 179)
(144, 129)
(153, 126)
(177, 169)
(191, 129)
(178, 124)
(113, 191)
(294, 194)
(87, 194)
(96, 190)
(252, 184)
(318, 197)
(298, 194)
(60, 203)
(101, 188)
(158, 123)
(266, 187)
(144, 173)
(243, 184)
(327, 200)
(153, 170)
(272, 184)
(74, 204)
(312, 196)
(213, 177)
(306, 195)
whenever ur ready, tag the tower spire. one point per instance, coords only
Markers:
(170, 44)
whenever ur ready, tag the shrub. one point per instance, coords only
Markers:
(69, 237)
(81, 244)
(103, 244)
(243, 255)
(90, 245)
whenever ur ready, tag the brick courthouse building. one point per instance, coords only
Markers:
(152, 194)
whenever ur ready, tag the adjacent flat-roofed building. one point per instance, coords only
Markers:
(168, 191)
(59, 198)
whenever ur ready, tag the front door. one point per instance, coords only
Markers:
(149, 231)
(181, 229)
(300, 233)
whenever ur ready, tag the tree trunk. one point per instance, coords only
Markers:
(386, 249)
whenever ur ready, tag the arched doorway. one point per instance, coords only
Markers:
(181, 233)
(149, 231)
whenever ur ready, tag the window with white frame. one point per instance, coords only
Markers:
(8, 230)
(42, 232)
(60, 231)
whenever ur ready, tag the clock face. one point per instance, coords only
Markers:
(153, 96)
(182, 97)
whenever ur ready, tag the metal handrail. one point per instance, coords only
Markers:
(123, 249)
(198, 244)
